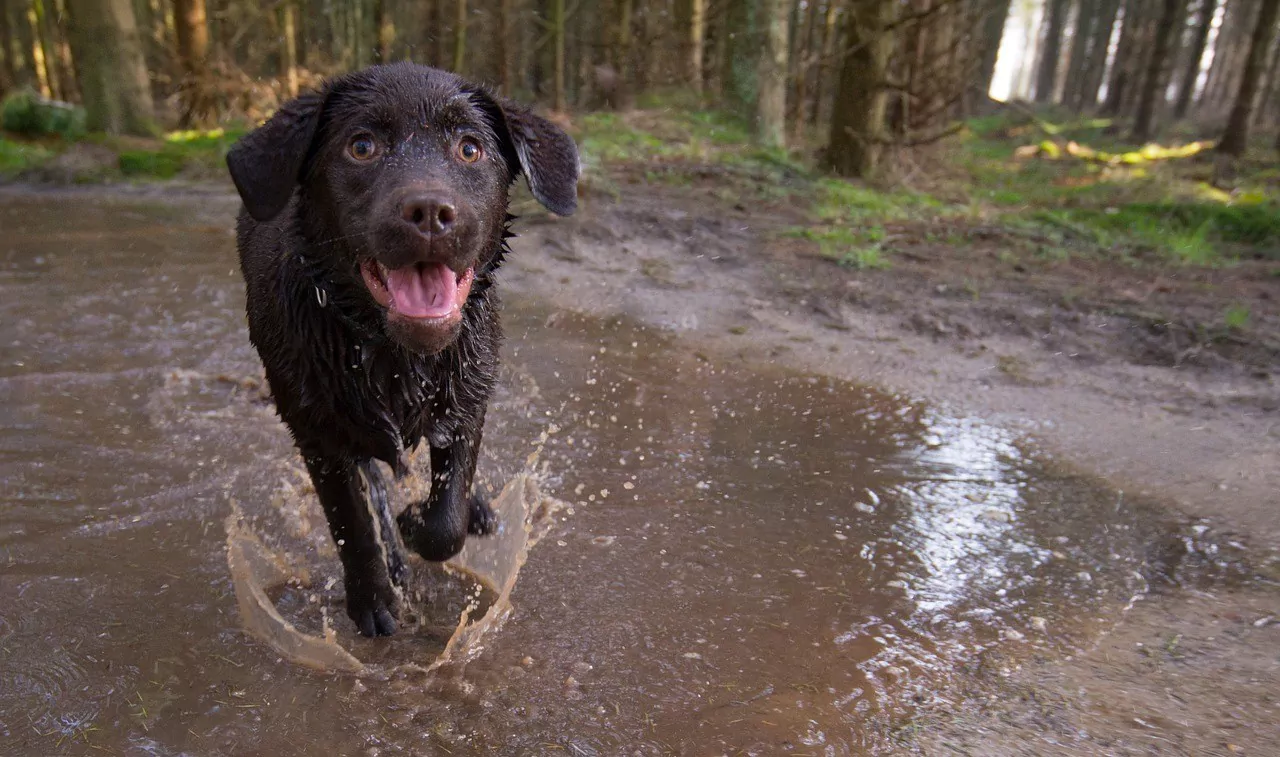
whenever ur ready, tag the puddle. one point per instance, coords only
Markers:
(745, 559)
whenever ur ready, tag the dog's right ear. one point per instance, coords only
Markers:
(267, 162)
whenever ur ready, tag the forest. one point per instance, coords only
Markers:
(852, 79)
(1140, 130)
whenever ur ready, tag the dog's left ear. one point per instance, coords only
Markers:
(266, 164)
(539, 149)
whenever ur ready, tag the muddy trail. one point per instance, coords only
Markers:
(701, 554)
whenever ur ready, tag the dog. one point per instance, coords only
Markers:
(374, 219)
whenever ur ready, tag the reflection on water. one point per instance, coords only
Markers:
(750, 559)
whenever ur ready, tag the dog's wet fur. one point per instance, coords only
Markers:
(374, 219)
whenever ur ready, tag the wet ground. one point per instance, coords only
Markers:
(749, 559)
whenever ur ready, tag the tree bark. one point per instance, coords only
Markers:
(1236, 135)
(737, 76)
(1121, 68)
(1096, 60)
(857, 121)
(8, 66)
(557, 39)
(385, 30)
(822, 77)
(771, 97)
(1046, 79)
(192, 31)
(460, 36)
(992, 35)
(1078, 57)
(1199, 38)
(1153, 82)
(506, 46)
(107, 50)
(693, 16)
(289, 55)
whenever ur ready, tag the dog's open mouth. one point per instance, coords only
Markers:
(422, 291)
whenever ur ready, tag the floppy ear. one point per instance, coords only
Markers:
(542, 151)
(265, 164)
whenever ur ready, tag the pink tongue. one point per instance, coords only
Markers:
(423, 291)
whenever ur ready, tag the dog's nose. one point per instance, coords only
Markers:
(431, 215)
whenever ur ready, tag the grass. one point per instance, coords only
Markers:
(16, 157)
(1081, 192)
(198, 154)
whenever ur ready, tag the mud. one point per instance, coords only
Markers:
(753, 556)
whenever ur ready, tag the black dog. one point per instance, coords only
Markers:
(375, 216)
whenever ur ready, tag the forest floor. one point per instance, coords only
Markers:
(1118, 310)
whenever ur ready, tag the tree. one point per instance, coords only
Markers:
(1046, 79)
(1199, 38)
(737, 75)
(857, 119)
(771, 98)
(289, 57)
(460, 36)
(557, 39)
(993, 24)
(8, 66)
(1096, 55)
(113, 79)
(1078, 57)
(192, 31)
(1236, 135)
(1153, 81)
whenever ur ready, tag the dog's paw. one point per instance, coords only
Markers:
(483, 520)
(373, 611)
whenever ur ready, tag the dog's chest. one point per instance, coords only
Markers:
(412, 395)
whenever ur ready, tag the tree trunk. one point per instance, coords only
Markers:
(771, 97)
(1117, 87)
(737, 76)
(289, 55)
(1236, 136)
(1269, 89)
(1153, 81)
(1046, 79)
(622, 64)
(1199, 38)
(806, 66)
(385, 31)
(992, 35)
(460, 36)
(693, 16)
(1230, 51)
(1096, 60)
(8, 66)
(1082, 35)
(830, 37)
(557, 39)
(192, 30)
(47, 47)
(107, 50)
(506, 46)
(857, 121)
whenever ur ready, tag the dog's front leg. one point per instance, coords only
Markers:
(371, 601)
(437, 528)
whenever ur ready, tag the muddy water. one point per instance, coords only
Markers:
(749, 560)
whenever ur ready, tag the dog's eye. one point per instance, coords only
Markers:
(362, 147)
(469, 150)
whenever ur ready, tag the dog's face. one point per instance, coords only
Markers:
(403, 173)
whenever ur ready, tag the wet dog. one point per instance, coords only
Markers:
(374, 219)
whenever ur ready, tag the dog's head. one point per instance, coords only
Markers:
(402, 173)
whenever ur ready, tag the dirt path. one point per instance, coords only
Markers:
(1106, 365)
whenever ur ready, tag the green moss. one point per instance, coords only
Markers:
(16, 157)
(25, 112)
